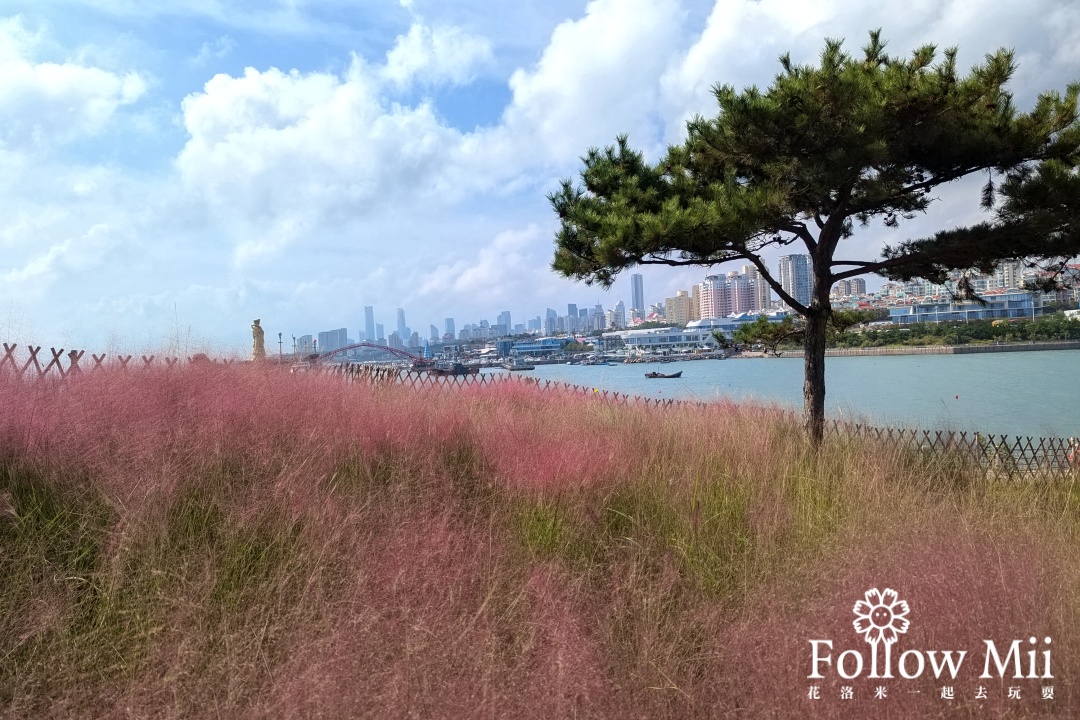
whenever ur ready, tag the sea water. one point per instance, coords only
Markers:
(1017, 393)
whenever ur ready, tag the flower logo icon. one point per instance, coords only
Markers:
(881, 616)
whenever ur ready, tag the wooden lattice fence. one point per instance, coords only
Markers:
(1002, 456)
(999, 456)
(34, 366)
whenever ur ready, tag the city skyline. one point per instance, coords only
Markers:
(717, 296)
(178, 169)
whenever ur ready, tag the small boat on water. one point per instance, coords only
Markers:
(655, 375)
(444, 369)
(517, 363)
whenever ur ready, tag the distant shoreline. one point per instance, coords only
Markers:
(932, 349)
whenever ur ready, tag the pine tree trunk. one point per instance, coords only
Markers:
(814, 358)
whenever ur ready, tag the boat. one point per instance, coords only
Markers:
(655, 375)
(517, 363)
(443, 369)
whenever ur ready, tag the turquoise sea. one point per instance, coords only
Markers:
(1019, 393)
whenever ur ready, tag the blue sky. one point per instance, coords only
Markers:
(173, 170)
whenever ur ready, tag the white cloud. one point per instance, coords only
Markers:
(73, 255)
(47, 103)
(435, 54)
(497, 272)
(284, 152)
(596, 78)
(301, 195)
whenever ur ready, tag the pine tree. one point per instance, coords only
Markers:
(851, 140)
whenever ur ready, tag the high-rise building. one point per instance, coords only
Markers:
(380, 338)
(571, 310)
(677, 309)
(762, 291)
(333, 339)
(619, 315)
(369, 323)
(504, 320)
(448, 326)
(598, 318)
(434, 332)
(849, 287)
(735, 293)
(1008, 276)
(637, 293)
(402, 328)
(740, 294)
(714, 297)
(695, 303)
(304, 345)
(795, 277)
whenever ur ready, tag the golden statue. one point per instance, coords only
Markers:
(258, 351)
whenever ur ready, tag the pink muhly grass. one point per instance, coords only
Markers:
(963, 588)
(534, 443)
(296, 545)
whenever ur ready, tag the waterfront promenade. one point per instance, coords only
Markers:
(935, 349)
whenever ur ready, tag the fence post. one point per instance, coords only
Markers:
(55, 361)
(9, 357)
(73, 360)
(33, 360)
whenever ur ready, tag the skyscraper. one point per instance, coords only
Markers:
(380, 338)
(637, 293)
(762, 292)
(740, 293)
(333, 339)
(504, 319)
(849, 287)
(795, 277)
(369, 323)
(448, 327)
(714, 297)
(402, 328)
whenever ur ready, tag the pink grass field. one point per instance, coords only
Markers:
(242, 542)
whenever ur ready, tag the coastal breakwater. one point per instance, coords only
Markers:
(942, 349)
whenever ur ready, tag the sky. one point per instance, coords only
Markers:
(174, 169)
